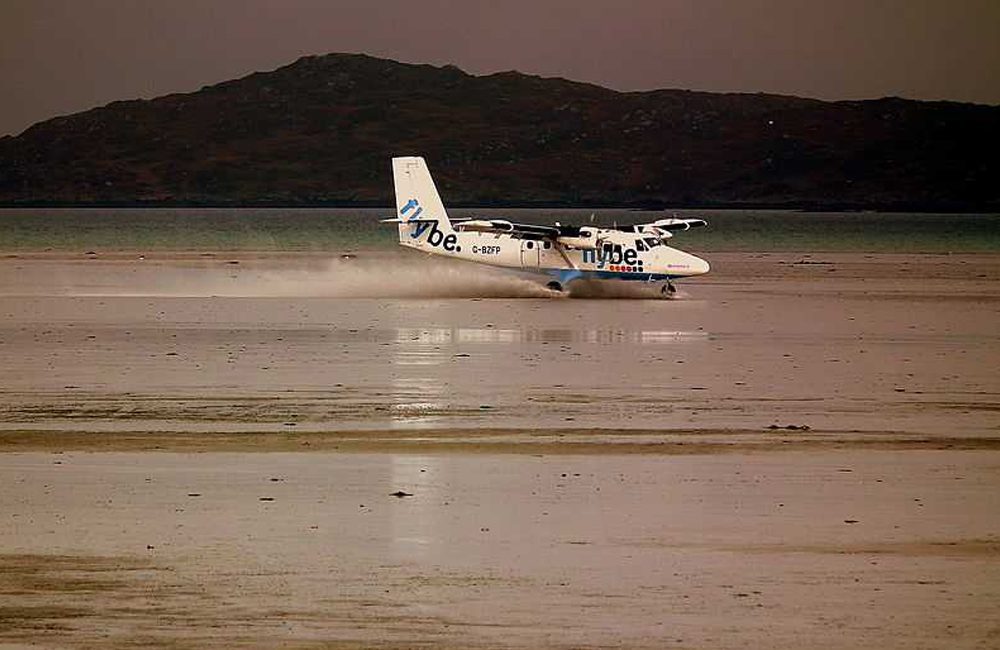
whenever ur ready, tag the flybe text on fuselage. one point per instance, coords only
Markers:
(435, 237)
(613, 255)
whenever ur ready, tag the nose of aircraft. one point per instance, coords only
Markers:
(699, 266)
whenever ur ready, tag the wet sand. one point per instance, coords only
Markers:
(838, 343)
(831, 549)
(799, 451)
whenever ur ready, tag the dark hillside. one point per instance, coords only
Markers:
(322, 130)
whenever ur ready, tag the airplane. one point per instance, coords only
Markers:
(565, 254)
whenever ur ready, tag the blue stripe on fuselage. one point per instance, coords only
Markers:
(606, 275)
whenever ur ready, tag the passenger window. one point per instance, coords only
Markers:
(546, 245)
(530, 244)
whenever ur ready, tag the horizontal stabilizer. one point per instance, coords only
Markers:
(398, 220)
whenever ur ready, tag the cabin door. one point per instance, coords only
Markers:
(530, 252)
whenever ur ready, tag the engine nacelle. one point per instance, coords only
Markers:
(655, 230)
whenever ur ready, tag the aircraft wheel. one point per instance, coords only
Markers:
(554, 286)
(668, 289)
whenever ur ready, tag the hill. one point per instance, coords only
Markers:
(322, 130)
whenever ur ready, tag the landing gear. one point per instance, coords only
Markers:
(668, 289)
(554, 286)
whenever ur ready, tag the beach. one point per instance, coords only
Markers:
(799, 450)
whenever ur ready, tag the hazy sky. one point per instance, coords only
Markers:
(63, 56)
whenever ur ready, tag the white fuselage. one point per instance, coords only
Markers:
(618, 255)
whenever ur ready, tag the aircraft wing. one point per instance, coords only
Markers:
(674, 225)
(506, 227)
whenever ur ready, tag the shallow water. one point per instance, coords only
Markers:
(324, 229)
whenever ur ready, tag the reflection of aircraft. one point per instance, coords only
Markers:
(564, 253)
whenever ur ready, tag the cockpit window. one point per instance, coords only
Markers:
(639, 246)
(652, 242)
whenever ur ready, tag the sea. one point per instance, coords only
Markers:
(345, 229)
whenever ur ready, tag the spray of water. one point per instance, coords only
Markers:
(387, 278)
(422, 277)
(350, 276)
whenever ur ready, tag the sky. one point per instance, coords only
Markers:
(62, 56)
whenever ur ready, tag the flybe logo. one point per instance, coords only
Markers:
(411, 206)
(435, 237)
(615, 258)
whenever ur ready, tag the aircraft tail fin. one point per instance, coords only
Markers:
(417, 200)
